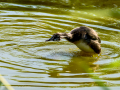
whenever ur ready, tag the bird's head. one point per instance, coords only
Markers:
(55, 37)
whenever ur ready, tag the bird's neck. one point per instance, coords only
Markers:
(67, 36)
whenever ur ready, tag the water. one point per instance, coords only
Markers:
(29, 63)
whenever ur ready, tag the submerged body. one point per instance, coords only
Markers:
(83, 37)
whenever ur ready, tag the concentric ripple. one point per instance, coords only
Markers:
(28, 62)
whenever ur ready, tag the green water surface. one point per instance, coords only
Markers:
(27, 62)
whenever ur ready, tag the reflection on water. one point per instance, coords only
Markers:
(28, 62)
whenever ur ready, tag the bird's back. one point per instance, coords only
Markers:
(85, 33)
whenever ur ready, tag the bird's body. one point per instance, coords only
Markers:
(83, 37)
(84, 46)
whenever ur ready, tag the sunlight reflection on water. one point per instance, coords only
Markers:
(28, 62)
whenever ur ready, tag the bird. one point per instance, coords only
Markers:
(85, 38)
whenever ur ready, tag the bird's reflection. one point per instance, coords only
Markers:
(81, 65)
(84, 63)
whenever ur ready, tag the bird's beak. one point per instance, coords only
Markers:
(51, 39)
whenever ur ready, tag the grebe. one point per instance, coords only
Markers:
(83, 37)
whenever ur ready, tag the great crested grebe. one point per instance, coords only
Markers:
(83, 37)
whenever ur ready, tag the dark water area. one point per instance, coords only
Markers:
(27, 62)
